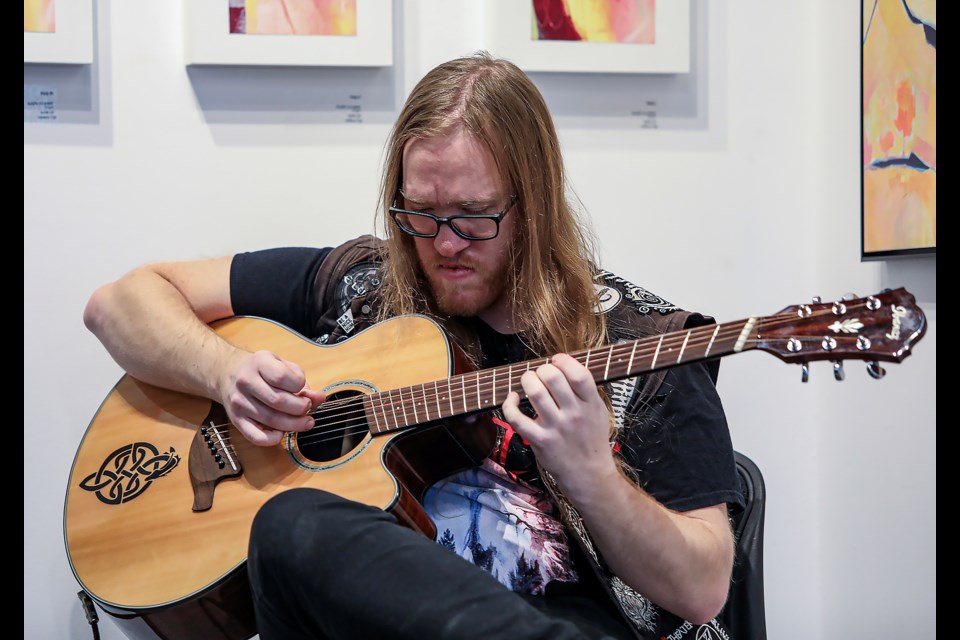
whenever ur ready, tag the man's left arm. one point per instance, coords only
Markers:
(680, 560)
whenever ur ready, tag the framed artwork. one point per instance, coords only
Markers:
(58, 31)
(603, 36)
(898, 177)
(345, 33)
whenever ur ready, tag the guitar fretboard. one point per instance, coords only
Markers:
(486, 389)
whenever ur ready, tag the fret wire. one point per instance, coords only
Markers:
(386, 406)
(683, 347)
(368, 402)
(426, 405)
(379, 397)
(374, 398)
(633, 351)
(413, 405)
(712, 338)
(657, 352)
(403, 406)
(478, 391)
(450, 397)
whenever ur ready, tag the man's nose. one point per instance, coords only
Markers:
(447, 243)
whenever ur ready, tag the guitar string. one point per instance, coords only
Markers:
(356, 403)
(357, 409)
(484, 384)
(487, 382)
(431, 398)
(731, 328)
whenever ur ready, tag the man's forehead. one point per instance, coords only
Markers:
(454, 168)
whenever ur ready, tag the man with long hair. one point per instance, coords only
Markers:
(603, 509)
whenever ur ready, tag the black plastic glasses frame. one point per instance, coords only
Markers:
(496, 217)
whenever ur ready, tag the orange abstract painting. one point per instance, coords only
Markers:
(294, 17)
(631, 21)
(39, 16)
(899, 91)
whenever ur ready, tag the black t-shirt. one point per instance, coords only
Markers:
(277, 284)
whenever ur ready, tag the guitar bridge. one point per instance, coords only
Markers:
(212, 458)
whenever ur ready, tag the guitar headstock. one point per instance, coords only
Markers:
(881, 327)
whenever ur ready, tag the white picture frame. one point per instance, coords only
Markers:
(71, 43)
(208, 40)
(507, 32)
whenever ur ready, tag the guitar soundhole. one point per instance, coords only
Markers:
(341, 428)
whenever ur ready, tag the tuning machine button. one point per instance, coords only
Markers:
(875, 370)
(873, 303)
(838, 370)
(805, 372)
(839, 308)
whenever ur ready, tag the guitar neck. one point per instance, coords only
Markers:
(486, 389)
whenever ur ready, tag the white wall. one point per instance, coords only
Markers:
(744, 201)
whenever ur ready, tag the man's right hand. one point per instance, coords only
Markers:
(155, 322)
(266, 396)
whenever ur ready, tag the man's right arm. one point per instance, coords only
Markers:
(154, 322)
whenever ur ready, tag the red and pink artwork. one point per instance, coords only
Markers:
(627, 21)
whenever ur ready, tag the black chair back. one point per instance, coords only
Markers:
(744, 613)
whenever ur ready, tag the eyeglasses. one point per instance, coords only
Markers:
(478, 226)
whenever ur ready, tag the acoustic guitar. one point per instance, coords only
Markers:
(163, 489)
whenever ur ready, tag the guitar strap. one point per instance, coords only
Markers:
(627, 319)
(628, 322)
(345, 286)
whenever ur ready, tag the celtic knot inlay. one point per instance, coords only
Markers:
(128, 471)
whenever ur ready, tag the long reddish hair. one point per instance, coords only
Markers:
(553, 262)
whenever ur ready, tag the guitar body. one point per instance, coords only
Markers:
(157, 533)
(163, 490)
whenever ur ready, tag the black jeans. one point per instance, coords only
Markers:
(322, 567)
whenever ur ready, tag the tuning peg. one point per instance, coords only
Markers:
(875, 370)
(805, 374)
(849, 296)
(817, 299)
(838, 370)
